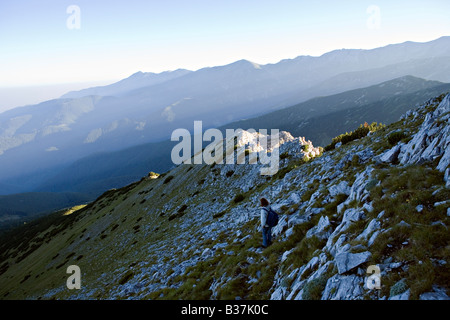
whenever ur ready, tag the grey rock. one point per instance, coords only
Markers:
(358, 189)
(346, 261)
(220, 245)
(340, 207)
(321, 230)
(341, 188)
(315, 210)
(436, 204)
(403, 224)
(278, 294)
(289, 232)
(368, 207)
(402, 296)
(447, 177)
(294, 198)
(437, 294)
(206, 252)
(431, 141)
(365, 155)
(322, 258)
(391, 155)
(374, 224)
(285, 255)
(395, 265)
(333, 246)
(372, 239)
(439, 223)
(341, 287)
(353, 215)
(311, 265)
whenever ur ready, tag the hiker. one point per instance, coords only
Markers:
(266, 229)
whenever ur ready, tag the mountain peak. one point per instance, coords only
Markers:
(243, 63)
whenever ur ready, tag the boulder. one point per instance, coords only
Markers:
(341, 188)
(294, 198)
(341, 287)
(353, 215)
(373, 238)
(358, 189)
(347, 261)
(321, 230)
(432, 139)
(391, 155)
(437, 294)
(374, 224)
(402, 296)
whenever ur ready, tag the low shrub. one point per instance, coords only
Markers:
(314, 288)
(395, 137)
(238, 198)
(168, 179)
(359, 133)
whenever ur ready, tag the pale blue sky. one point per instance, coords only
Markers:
(118, 38)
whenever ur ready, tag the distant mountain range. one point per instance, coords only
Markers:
(45, 144)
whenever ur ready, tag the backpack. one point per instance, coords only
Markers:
(272, 217)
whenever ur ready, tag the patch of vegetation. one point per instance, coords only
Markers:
(168, 179)
(312, 188)
(126, 277)
(180, 212)
(398, 288)
(395, 137)
(284, 155)
(219, 214)
(416, 238)
(359, 133)
(314, 288)
(238, 198)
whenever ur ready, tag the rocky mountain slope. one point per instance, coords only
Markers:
(379, 198)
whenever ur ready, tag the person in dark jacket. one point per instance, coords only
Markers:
(266, 230)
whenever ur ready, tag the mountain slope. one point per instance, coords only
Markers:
(384, 102)
(194, 232)
(91, 175)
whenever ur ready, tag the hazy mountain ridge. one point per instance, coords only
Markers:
(194, 232)
(135, 81)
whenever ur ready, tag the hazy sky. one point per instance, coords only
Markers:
(50, 42)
